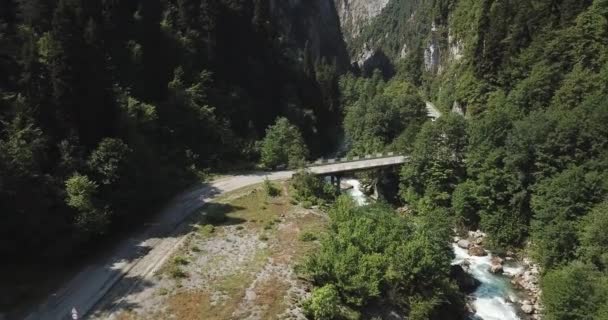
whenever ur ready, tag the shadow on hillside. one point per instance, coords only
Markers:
(217, 214)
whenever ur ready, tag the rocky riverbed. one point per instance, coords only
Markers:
(503, 287)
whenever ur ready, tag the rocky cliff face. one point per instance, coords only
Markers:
(314, 28)
(354, 14)
(381, 32)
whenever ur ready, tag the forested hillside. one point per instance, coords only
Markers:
(529, 163)
(109, 107)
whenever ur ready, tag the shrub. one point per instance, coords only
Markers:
(308, 187)
(308, 236)
(307, 204)
(180, 261)
(206, 230)
(270, 189)
(263, 237)
(176, 272)
(324, 303)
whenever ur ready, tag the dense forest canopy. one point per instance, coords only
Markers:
(105, 105)
(528, 164)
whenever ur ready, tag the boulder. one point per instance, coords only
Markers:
(527, 307)
(465, 281)
(496, 260)
(496, 268)
(465, 244)
(477, 251)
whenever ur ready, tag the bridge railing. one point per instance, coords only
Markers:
(323, 161)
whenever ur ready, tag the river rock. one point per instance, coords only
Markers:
(464, 244)
(476, 234)
(477, 251)
(496, 268)
(527, 307)
(465, 281)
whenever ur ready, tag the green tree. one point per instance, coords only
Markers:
(283, 145)
(382, 112)
(558, 204)
(91, 219)
(574, 292)
(436, 164)
(594, 238)
(371, 255)
(110, 161)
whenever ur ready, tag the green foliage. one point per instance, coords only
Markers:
(576, 291)
(558, 204)
(437, 161)
(310, 189)
(143, 98)
(283, 145)
(594, 238)
(180, 261)
(270, 189)
(378, 112)
(307, 236)
(371, 252)
(109, 161)
(324, 303)
(81, 192)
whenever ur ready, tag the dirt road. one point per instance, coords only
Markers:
(137, 258)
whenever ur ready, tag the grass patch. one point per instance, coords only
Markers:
(180, 261)
(205, 230)
(176, 272)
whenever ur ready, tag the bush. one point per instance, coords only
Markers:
(308, 236)
(263, 237)
(206, 230)
(324, 304)
(176, 272)
(180, 261)
(308, 187)
(307, 204)
(270, 189)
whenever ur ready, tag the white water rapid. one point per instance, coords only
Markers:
(356, 192)
(494, 298)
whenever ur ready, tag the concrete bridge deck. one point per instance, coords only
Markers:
(332, 166)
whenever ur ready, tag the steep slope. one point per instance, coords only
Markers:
(356, 14)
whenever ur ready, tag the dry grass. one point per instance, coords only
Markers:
(271, 293)
(251, 286)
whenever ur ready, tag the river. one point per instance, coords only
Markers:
(493, 299)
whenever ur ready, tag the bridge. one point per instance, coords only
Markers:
(336, 168)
